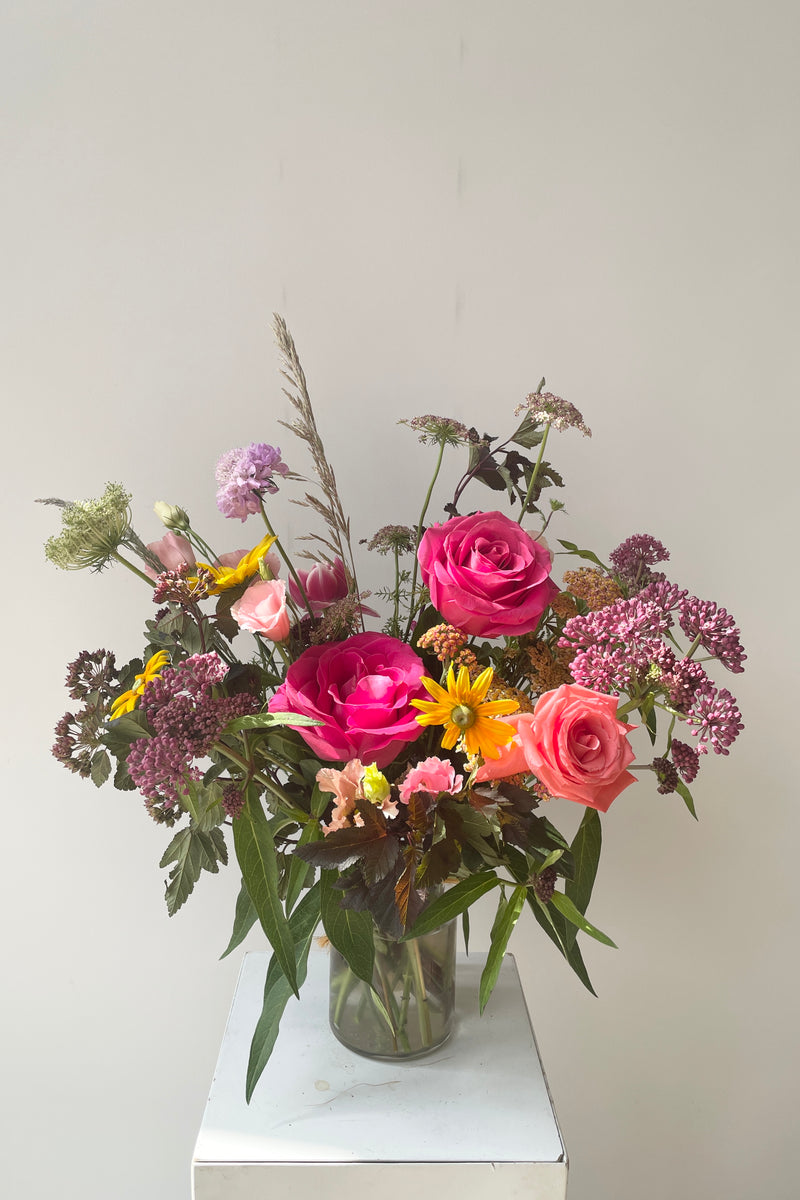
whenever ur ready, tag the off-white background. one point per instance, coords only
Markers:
(446, 201)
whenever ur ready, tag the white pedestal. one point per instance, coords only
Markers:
(472, 1121)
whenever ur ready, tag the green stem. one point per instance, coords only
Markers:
(423, 1012)
(396, 617)
(532, 483)
(420, 523)
(283, 800)
(286, 559)
(127, 563)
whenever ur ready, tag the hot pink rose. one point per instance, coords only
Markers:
(262, 609)
(432, 775)
(361, 689)
(172, 551)
(486, 575)
(573, 743)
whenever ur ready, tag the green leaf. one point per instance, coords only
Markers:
(686, 796)
(554, 926)
(100, 768)
(507, 917)
(587, 554)
(277, 988)
(551, 859)
(255, 851)
(465, 929)
(350, 932)
(528, 435)
(244, 919)
(453, 902)
(269, 721)
(568, 910)
(185, 852)
(586, 847)
(300, 871)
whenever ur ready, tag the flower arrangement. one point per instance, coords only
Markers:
(386, 778)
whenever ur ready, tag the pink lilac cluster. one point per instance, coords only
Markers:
(244, 475)
(616, 644)
(620, 648)
(187, 719)
(634, 557)
(686, 759)
(715, 630)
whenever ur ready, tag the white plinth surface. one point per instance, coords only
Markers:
(473, 1119)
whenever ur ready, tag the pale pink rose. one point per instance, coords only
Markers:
(433, 775)
(486, 575)
(262, 609)
(574, 743)
(233, 557)
(172, 551)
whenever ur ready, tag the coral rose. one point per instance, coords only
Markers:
(573, 743)
(262, 609)
(486, 575)
(361, 689)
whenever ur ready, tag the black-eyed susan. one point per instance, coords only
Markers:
(128, 700)
(247, 566)
(466, 714)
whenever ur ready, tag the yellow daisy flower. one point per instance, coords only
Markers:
(465, 713)
(128, 700)
(230, 577)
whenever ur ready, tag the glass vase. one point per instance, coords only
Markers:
(409, 1010)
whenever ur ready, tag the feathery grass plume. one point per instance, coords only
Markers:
(305, 428)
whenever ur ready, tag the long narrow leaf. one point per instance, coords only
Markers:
(301, 872)
(507, 917)
(453, 902)
(244, 919)
(255, 851)
(554, 925)
(277, 989)
(350, 932)
(568, 910)
(586, 847)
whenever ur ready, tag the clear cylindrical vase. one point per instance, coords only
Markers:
(409, 1009)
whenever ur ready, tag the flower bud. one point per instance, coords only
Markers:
(375, 785)
(171, 515)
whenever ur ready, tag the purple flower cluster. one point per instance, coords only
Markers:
(187, 719)
(717, 720)
(616, 645)
(635, 556)
(244, 475)
(622, 648)
(715, 630)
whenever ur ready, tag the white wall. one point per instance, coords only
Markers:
(446, 201)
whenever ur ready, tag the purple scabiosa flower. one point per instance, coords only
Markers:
(714, 628)
(716, 719)
(633, 558)
(244, 475)
(686, 759)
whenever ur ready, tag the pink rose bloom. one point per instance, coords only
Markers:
(573, 743)
(233, 557)
(361, 689)
(486, 575)
(433, 775)
(262, 609)
(172, 551)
